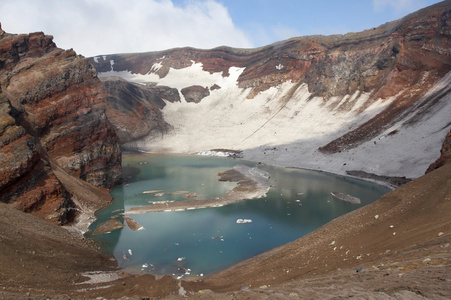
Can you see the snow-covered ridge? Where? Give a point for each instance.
(286, 128)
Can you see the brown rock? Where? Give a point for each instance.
(445, 155)
(52, 110)
(195, 93)
(134, 110)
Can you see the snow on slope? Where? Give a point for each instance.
(285, 126)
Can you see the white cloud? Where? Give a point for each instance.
(94, 27)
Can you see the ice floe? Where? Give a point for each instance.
(243, 221)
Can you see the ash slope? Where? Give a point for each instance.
(376, 101)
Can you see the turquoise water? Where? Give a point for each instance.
(204, 241)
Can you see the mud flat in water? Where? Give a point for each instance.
(252, 183)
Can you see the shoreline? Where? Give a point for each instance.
(252, 183)
(382, 180)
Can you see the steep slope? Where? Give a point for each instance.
(376, 101)
(52, 115)
(445, 154)
(135, 110)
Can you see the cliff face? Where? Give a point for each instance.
(445, 155)
(368, 100)
(52, 113)
(135, 110)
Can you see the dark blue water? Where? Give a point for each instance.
(204, 241)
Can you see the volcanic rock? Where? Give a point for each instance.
(195, 93)
(445, 154)
(135, 110)
(52, 113)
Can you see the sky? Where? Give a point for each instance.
(94, 27)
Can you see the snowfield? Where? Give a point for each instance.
(284, 126)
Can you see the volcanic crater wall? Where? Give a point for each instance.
(52, 115)
(375, 101)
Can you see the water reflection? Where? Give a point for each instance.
(208, 240)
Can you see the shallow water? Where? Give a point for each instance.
(209, 239)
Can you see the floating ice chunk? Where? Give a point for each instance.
(130, 251)
(242, 221)
(345, 197)
(181, 258)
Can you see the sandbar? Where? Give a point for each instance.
(252, 183)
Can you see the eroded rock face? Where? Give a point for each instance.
(52, 110)
(26, 181)
(134, 110)
(445, 155)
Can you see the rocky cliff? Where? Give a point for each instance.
(376, 101)
(445, 154)
(52, 116)
(135, 110)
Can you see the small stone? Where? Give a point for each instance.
(440, 233)
(376, 217)
(427, 260)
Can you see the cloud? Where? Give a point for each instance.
(95, 27)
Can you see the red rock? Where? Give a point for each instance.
(52, 111)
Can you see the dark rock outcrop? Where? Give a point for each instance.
(135, 110)
(52, 112)
(195, 93)
(445, 155)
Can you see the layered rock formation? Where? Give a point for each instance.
(52, 116)
(375, 101)
(135, 110)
